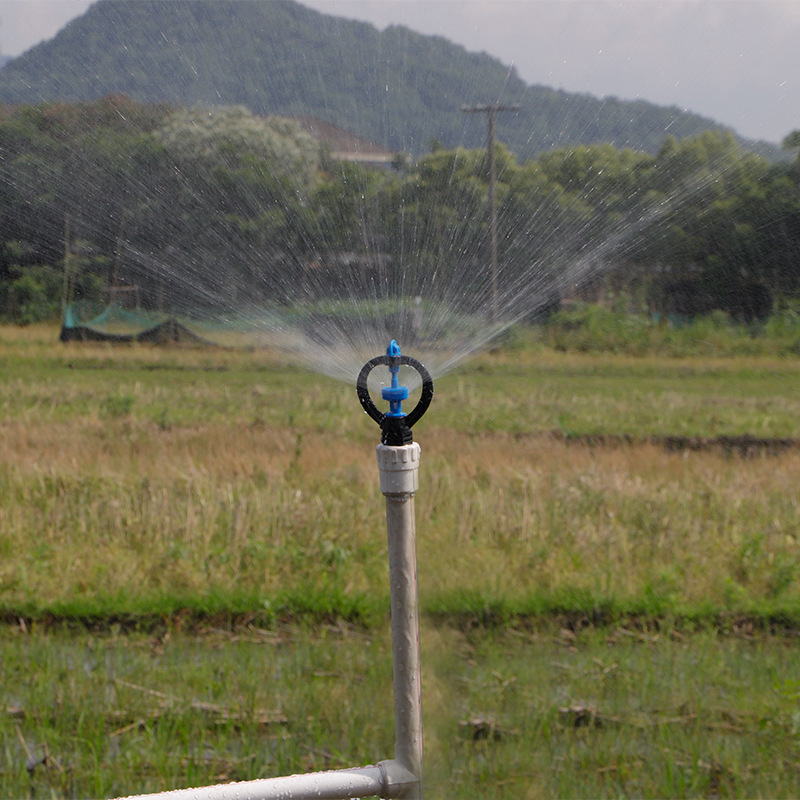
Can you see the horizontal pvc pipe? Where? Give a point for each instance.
(387, 779)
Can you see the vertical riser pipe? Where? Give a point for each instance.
(399, 480)
(405, 634)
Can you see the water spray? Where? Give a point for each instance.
(398, 464)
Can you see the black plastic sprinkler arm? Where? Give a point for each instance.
(395, 426)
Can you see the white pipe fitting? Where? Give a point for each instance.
(399, 468)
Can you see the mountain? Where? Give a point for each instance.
(398, 88)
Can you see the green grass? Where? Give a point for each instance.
(597, 329)
(622, 395)
(129, 713)
(622, 713)
(610, 712)
(525, 390)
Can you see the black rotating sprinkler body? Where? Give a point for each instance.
(395, 424)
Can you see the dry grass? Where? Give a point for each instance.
(127, 510)
(626, 522)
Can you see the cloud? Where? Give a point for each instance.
(24, 23)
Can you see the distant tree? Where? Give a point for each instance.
(792, 142)
(226, 136)
(235, 193)
(219, 206)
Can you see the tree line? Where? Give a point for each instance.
(215, 208)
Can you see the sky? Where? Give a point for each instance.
(734, 61)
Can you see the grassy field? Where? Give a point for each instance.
(612, 712)
(194, 586)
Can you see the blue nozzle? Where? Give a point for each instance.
(395, 393)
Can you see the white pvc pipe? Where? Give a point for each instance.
(387, 779)
(399, 468)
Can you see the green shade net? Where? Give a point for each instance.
(116, 324)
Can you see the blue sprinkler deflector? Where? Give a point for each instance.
(395, 393)
(395, 424)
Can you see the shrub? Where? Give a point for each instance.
(33, 296)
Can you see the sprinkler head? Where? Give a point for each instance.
(395, 424)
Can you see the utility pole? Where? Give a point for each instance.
(491, 110)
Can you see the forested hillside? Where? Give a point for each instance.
(221, 209)
(398, 88)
